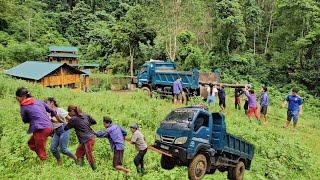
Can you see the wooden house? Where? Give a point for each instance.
(51, 74)
(63, 54)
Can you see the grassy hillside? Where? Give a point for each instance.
(280, 153)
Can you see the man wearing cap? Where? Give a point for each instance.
(138, 140)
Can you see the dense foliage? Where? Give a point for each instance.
(279, 153)
(270, 41)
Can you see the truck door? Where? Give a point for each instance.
(201, 132)
(143, 76)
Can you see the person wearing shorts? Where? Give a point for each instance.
(116, 136)
(264, 103)
(294, 108)
(117, 158)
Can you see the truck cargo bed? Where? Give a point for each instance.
(238, 146)
(167, 78)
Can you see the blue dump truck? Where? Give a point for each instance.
(159, 76)
(194, 137)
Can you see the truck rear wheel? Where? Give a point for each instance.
(197, 168)
(167, 162)
(146, 90)
(237, 173)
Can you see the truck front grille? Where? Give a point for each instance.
(167, 139)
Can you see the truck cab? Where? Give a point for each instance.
(193, 135)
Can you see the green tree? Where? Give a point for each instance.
(81, 20)
(252, 18)
(188, 56)
(129, 32)
(228, 25)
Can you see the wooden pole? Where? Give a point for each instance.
(226, 85)
(150, 147)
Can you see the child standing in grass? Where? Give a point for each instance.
(116, 136)
(34, 112)
(81, 124)
(138, 140)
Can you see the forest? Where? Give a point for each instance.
(270, 42)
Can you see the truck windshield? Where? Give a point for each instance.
(178, 119)
(143, 69)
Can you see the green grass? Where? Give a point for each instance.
(279, 154)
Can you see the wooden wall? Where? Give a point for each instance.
(62, 77)
(64, 60)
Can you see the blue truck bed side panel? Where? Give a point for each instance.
(223, 141)
(189, 80)
(236, 145)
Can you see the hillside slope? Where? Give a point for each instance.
(280, 153)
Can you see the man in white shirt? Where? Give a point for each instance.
(212, 91)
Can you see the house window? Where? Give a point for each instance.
(72, 85)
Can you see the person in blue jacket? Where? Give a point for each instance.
(116, 136)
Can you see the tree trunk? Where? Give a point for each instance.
(29, 33)
(176, 15)
(268, 33)
(254, 41)
(170, 49)
(301, 52)
(131, 60)
(227, 44)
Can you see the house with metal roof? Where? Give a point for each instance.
(63, 54)
(51, 74)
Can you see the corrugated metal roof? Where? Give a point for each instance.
(91, 65)
(86, 71)
(63, 55)
(35, 70)
(63, 48)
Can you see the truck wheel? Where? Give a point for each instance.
(167, 162)
(238, 171)
(197, 168)
(146, 90)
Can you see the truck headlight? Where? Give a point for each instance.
(158, 138)
(181, 140)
